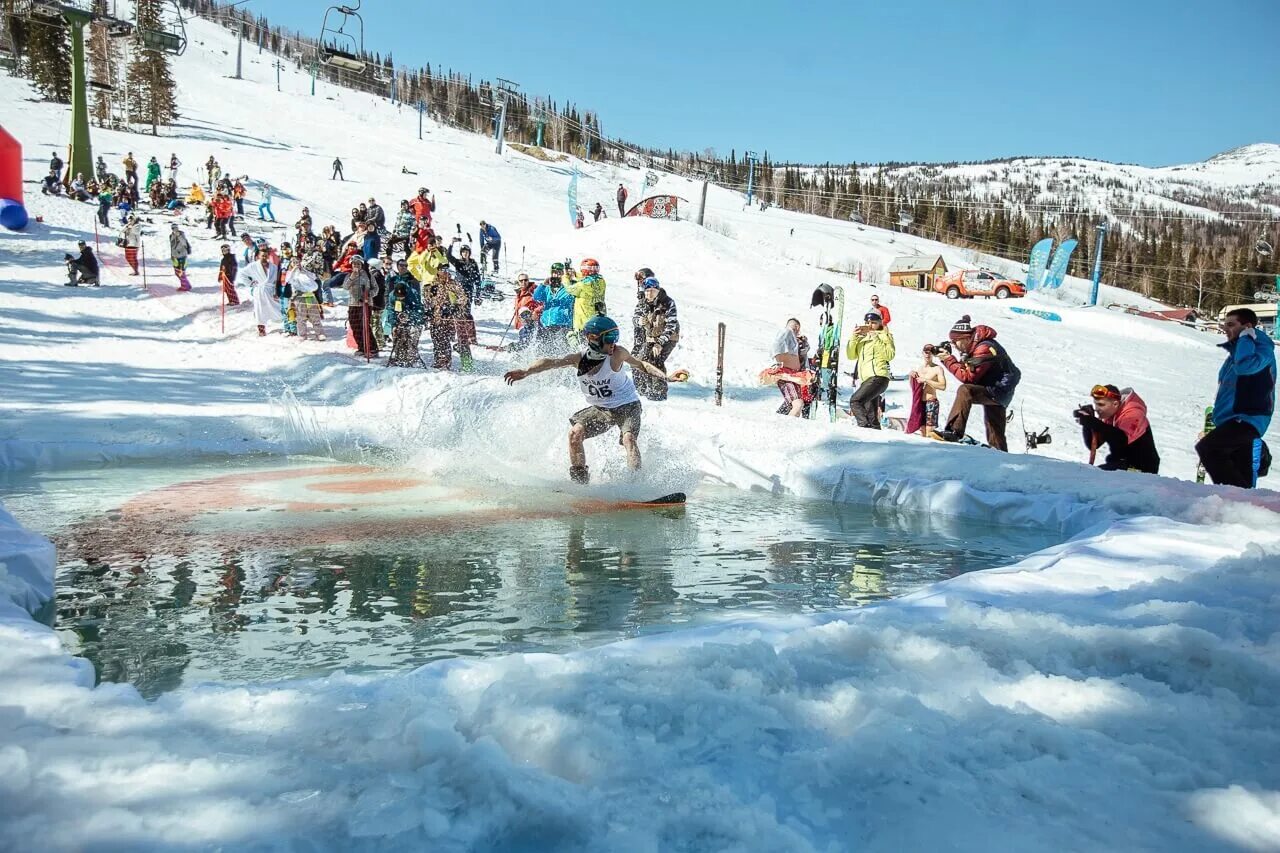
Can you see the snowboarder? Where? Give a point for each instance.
(657, 332)
(989, 379)
(179, 251)
(1233, 452)
(622, 200)
(227, 271)
(610, 393)
(872, 347)
(337, 171)
(490, 241)
(1118, 419)
(265, 206)
(82, 269)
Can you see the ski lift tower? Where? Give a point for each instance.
(506, 88)
(750, 157)
(76, 16)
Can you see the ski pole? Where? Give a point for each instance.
(365, 333)
(503, 339)
(142, 248)
(222, 279)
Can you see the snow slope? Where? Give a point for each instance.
(1118, 691)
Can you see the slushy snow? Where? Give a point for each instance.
(1117, 691)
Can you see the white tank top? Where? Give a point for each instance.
(608, 388)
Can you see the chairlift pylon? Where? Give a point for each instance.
(168, 34)
(340, 48)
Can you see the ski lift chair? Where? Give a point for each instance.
(905, 218)
(339, 48)
(1262, 247)
(170, 36)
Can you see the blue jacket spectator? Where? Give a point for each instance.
(557, 303)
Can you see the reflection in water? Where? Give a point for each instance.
(289, 604)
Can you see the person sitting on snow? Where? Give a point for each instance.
(1118, 419)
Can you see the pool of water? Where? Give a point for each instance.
(254, 570)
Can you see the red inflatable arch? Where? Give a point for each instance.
(12, 213)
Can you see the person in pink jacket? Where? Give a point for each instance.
(1118, 419)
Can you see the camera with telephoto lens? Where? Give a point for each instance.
(944, 346)
(1034, 440)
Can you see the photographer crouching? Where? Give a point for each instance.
(989, 379)
(1118, 419)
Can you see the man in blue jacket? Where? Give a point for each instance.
(490, 241)
(1233, 452)
(557, 312)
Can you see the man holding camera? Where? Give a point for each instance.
(1118, 419)
(82, 268)
(871, 346)
(1233, 452)
(989, 379)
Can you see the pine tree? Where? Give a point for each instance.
(151, 91)
(48, 52)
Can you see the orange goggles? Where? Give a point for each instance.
(1102, 392)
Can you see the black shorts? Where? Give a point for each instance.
(596, 419)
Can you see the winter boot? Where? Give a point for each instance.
(579, 474)
(468, 363)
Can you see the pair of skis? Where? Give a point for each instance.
(827, 359)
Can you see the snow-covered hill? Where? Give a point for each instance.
(1117, 691)
(1242, 182)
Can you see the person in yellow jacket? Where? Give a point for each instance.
(196, 195)
(587, 293)
(424, 265)
(872, 347)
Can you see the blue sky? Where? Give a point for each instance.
(1124, 80)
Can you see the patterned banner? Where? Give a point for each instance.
(1058, 266)
(1039, 259)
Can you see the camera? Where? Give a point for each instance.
(1034, 440)
(944, 346)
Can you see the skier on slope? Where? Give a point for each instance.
(610, 393)
(179, 251)
(337, 170)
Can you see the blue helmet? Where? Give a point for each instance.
(600, 330)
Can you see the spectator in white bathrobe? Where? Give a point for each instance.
(263, 276)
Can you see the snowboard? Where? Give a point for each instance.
(673, 499)
(1208, 428)
(829, 357)
(720, 364)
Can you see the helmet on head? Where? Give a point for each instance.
(600, 330)
(557, 269)
(590, 266)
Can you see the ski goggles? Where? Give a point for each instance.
(597, 340)
(1102, 392)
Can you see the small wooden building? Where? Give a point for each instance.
(916, 271)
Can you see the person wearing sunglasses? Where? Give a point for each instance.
(1233, 452)
(1118, 420)
(612, 399)
(527, 312)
